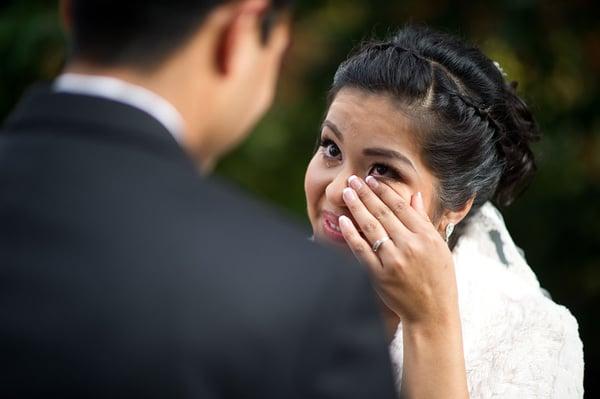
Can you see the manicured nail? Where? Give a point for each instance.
(372, 182)
(345, 222)
(354, 182)
(349, 194)
(420, 199)
(419, 196)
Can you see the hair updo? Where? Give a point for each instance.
(477, 131)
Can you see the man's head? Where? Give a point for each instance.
(217, 61)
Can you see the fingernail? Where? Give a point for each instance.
(420, 198)
(345, 222)
(349, 194)
(372, 182)
(354, 182)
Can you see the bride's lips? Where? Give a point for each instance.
(331, 227)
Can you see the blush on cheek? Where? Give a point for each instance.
(308, 191)
(314, 188)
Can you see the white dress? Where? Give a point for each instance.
(518, 343)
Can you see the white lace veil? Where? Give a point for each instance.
(487, 230)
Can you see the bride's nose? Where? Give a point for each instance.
(334, 189)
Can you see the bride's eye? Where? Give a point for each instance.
(330, 149)
(384, 171)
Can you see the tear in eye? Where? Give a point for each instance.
(330, 148)
(380, 170)
(333, 150)
(384, 171)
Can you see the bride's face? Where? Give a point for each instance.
(363, 134)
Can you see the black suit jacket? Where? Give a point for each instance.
(123, 273)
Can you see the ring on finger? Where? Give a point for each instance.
(379, 243)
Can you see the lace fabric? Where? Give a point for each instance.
(517, 342)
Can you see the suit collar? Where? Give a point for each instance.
(124, 92)
(42, 110)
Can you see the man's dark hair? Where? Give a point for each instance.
(143, 33)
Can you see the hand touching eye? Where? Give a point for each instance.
(410, 262)
(413, 271)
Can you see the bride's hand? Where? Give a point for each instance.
(414, 276)
(414, 269)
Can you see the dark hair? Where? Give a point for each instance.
(477, 130)
(142, 33)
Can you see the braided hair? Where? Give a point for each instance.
(476, 131)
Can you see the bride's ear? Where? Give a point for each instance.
(455, 217)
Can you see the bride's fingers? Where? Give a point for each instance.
(360, 248)
(366, 222)
(379, 210)
(417, 203)
(401, 208)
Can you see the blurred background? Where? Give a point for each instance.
(552, 48)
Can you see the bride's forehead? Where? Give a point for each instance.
(361, 115)
(360, 100)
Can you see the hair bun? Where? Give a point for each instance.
(519, 130)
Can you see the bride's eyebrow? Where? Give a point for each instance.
(331, 126)
(385, 153)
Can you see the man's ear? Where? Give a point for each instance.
(242, 24)
(455, 217)
(65, 8)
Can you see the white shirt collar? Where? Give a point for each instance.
(118, 90)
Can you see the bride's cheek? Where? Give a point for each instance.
(309, 176)
(312, 185)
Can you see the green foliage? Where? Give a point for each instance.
(31, 47)
(551, 48)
